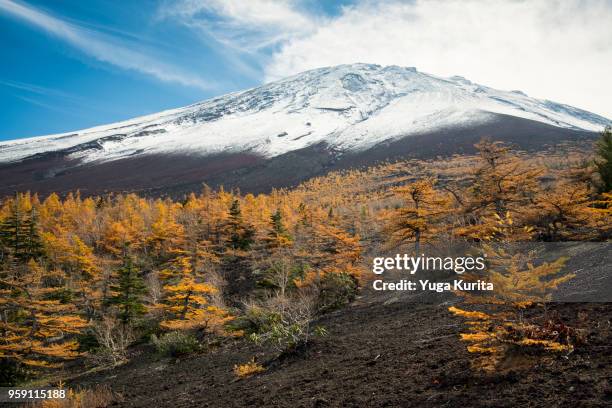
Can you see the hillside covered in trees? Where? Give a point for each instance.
(95, 289)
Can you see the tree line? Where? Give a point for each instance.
(91, 275)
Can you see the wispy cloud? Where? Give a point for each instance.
(242, 32)
(55, 99)
(39, 96)
(49, 106)
(248, 26)
(40, 90)
(103, 47)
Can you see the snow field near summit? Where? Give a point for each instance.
(349, 107)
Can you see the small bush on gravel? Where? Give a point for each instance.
(257, 316)
(176, 343)
(337, 290)
(284, 323)
(113, 339)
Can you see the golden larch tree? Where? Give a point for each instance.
(186, 302)
(37, 331)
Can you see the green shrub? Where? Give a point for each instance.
(87, 341)
(175, 343)
(283, 322)
(287, 337)
(337, 289)
(256, 318)
(146, 328)
(11, 373)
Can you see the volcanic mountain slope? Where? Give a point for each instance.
(286, 131)
(394, 353)
(388, 349)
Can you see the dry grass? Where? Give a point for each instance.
(248, 369)
(99, 397)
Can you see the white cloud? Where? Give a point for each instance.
(248, 26)
(559, 50)
(554, 49)
(102, 47)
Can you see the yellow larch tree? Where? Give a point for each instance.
(186, 302)
(420, 219)
(80, 270)
(166, 232)
(331, 260)
(37, 330)
(500, 182)
(600, 216)
(561, 213)
(495, 323)
(124, 224)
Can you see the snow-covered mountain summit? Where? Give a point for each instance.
(350, 107)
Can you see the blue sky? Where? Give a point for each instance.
(71, 64)
(49, 84)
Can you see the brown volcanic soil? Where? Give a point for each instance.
(380, 351)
